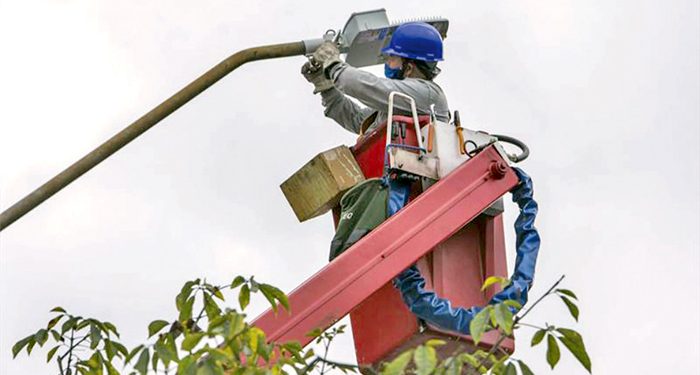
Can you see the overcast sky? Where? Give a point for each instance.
(606, 94)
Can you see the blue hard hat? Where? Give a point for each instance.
(417, 41)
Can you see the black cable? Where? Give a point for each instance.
(525, 151)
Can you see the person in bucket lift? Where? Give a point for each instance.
(411, 59)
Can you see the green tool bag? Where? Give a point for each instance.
(363, 208)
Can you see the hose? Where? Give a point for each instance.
(524, 150)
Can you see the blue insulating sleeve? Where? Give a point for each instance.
(438, 311)
(527, 243)
(398, 195)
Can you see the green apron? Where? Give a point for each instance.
(363, 208)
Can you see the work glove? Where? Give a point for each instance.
(326, 56)
(315, 75)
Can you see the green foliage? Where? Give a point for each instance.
(204, 338)
(97, 338)
(207, 337)
(492, 280)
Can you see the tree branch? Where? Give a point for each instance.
(548, 292)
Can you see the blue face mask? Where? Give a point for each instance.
(393, 73)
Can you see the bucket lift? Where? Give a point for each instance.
(453, 231)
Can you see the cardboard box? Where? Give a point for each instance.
(318, 186)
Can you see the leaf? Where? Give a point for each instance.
(131, 354)
(398, 365)
(211, 308)
(154, 362)
(121, 349)
(30, 345)
(425, 359)
(56, 336)
(513, 303)
(95, 336)
(491, 280)
(282, 298)
(504, 318)
(455, 367)
(191, 341)
(238, 281)
(435, 343)
(553, 353)
(269, 295)
(58, 309)
(574, 342)
(163, 352)
(254, 285)
(573, 309)
(537, 337)
(51, 353)
(524, 369)
(155, 327)
(142, 363)
(187, 366)
(110, 327)
(498, 367)
(511, 370)
(82, 324)
(186, 311)
(41, 336)
(478, 325)
(236, 325)
(244, 296)
(110, 369)
(69, 324)
(469, 359)
(109, 349)
(54, 321)
(21, 344)
(567, 292)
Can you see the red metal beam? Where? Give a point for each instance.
(397, 243)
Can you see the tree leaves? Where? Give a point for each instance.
(425, 359)
(244, 296)
(524, 369)
(156, 326)
(504, 318)
(566, 292)
(398, 365)
(21, 344)
(191, 341)
(243, 349)
(537, 337)
(274, 295)
(573, 309)
(573, 341)
(142, 363)
(491, 280)
(553, 353)
(478, 325)
(238, 281)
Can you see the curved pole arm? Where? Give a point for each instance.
(144, 123)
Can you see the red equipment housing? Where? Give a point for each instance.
(443, 229)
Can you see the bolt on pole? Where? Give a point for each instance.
(144, 123)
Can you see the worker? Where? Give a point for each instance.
(411, 59)
(410, 66)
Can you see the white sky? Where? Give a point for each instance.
(607, 95)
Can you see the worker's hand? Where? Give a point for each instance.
(315, 75)
(326, 56)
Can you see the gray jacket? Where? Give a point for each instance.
(373, 92)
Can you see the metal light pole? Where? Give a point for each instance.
(147, 121)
